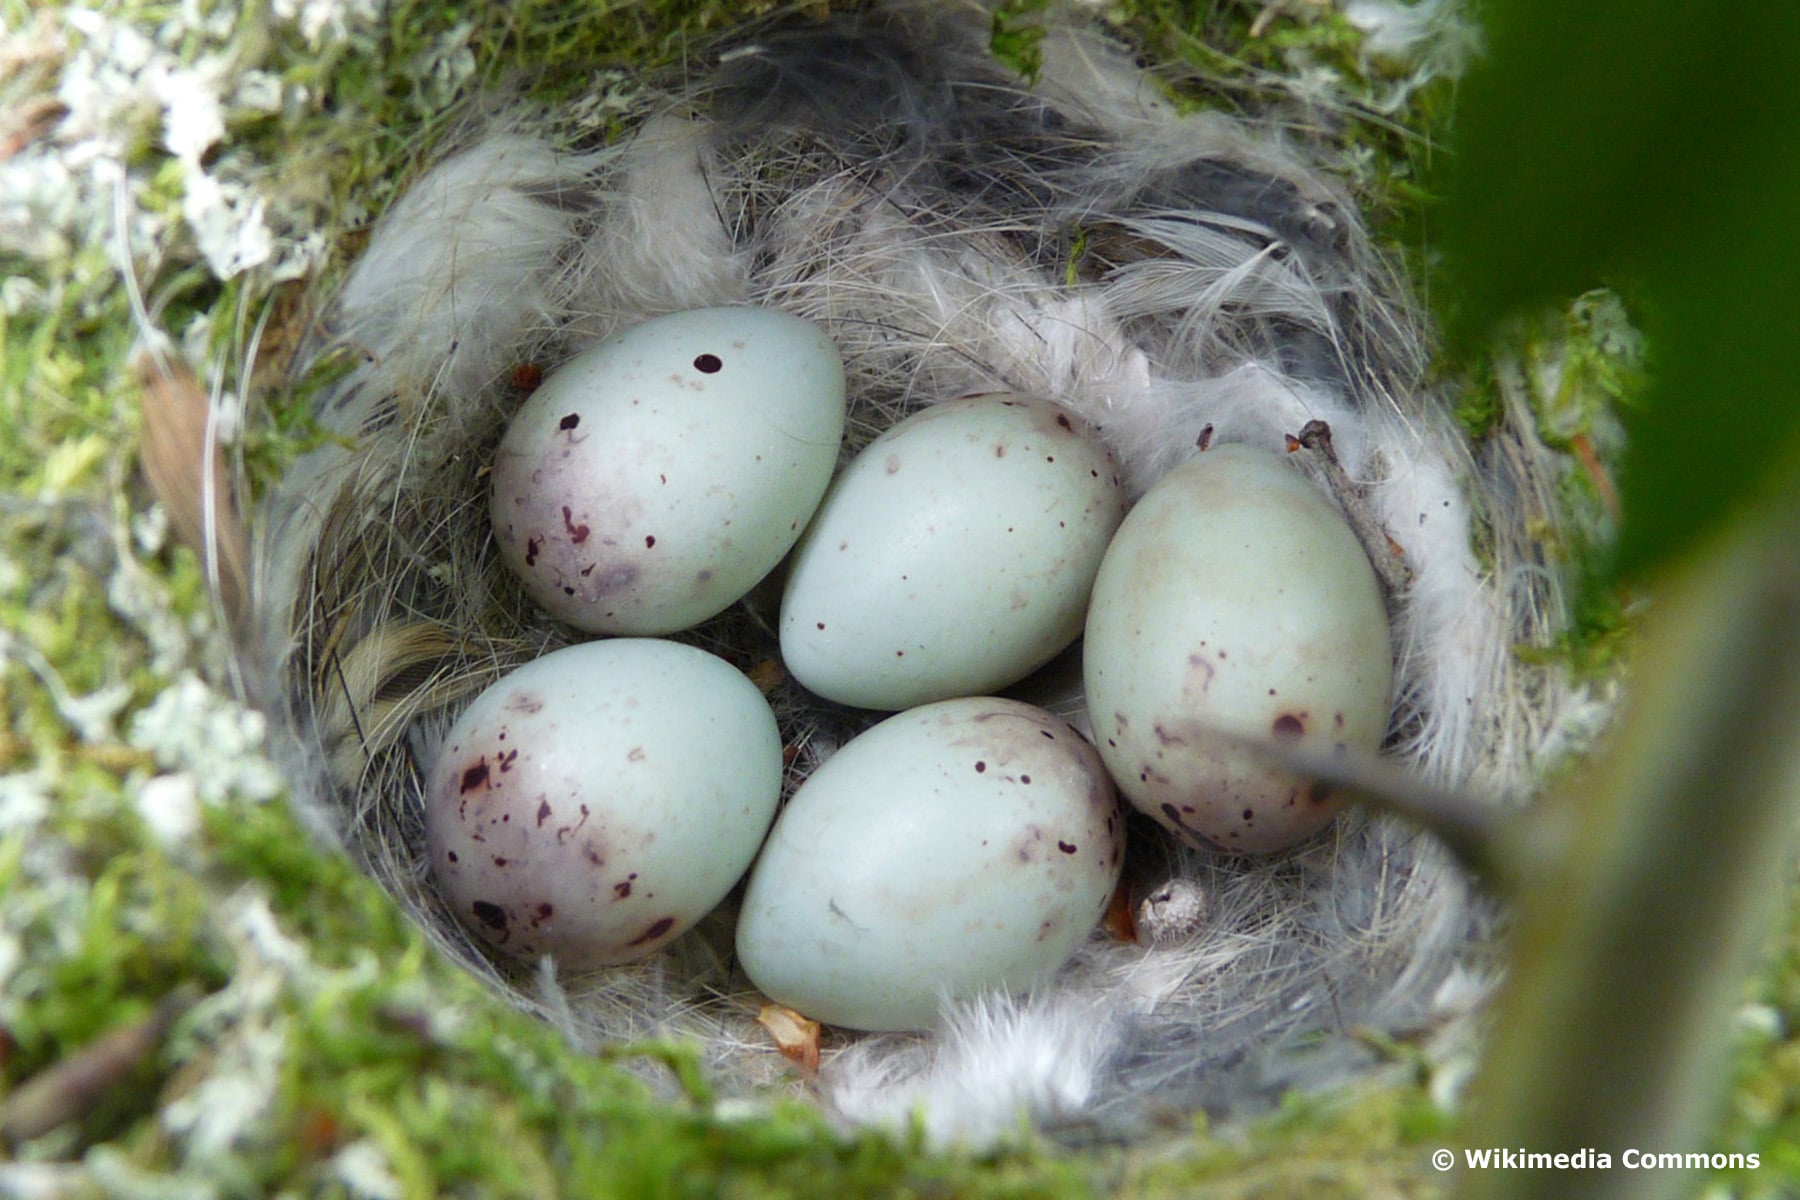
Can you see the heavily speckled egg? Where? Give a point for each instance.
(598, 801)
(1235, 606)
(953, 556)
(652, 480)
(963, 846)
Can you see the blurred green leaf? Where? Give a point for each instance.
(1657, 140)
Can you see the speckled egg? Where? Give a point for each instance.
(652, 480)
(598, 801)
(1235, 607)
(953, 556)
(959, 847)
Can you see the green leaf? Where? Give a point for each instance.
(1658, 140)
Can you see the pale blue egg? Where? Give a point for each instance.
(957, 848)
(652, 480)
(953, 556)
(598, 801)
(1235, 609)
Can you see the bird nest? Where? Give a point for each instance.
(1176, 279)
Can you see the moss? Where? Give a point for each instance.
(1016, 35)
(1762, 1113)
(1358, 1143)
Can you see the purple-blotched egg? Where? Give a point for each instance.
(652, 480)
(1235, 609)
(596, 802)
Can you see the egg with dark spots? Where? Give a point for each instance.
(1236, 615)
(600, 821)
(940, 566)
(652, 480)
(917, 862)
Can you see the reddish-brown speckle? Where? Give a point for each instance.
(569, 422)
(564, 831)
(577, 533)
(1066, 847)
(474, 777)
(543, 813)
(649, 540)
(532, 545)
(656, 930)
(708, 364)
(1289, 725)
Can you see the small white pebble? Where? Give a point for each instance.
(1171, 913)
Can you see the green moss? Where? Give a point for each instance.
(1361, 1143)
(1016, 35)
(1762, 1113)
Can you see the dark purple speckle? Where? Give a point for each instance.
(491, 915)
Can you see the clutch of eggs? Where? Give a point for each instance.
(598, 802)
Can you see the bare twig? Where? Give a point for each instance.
(1385, 554)
(71, 1087)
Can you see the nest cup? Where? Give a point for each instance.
(1175, 279)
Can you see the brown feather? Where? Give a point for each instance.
(172, 447)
